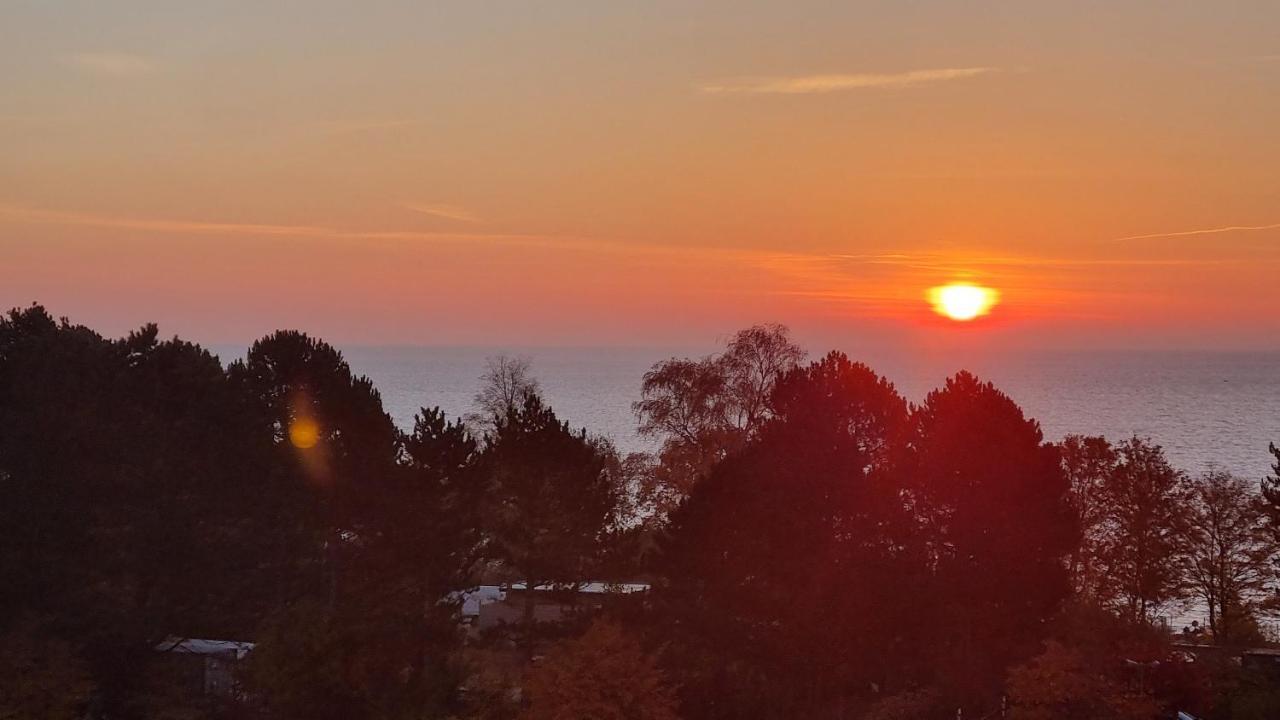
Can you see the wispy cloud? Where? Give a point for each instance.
(111, 64)
(814, 84)
(34, 215)
(1206, 231)
(19, 213)
(448, 212)
(934, 261)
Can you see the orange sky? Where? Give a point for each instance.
(648, 173)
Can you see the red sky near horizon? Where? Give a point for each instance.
(646, 174)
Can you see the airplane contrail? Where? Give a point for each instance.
(1208, 231)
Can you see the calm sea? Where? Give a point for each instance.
(1206, 409)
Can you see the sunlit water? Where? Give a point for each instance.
(1206, 409)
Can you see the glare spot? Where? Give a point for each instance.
(304, 433)
(962, 301)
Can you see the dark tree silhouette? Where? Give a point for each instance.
(422, 546)
(1089, 463)
(833, 552)
(787, 578)
(132, 497)
(1147, 501)
(1271, 493)
(505, 382)
(332, 440)
(1229, 555)
(704, 409)
(549, 500)
(382, 551)
(992, 501)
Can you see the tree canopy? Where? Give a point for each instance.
(823, 547)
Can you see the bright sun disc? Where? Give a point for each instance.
(962, 301)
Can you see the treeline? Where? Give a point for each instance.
(816, 545)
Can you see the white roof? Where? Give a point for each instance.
(482, 595)
(473, 599)
(198, 646)
(592, 588)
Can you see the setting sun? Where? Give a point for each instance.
(962, 301)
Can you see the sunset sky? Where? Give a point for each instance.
(645, 173)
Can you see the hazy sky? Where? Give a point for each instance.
(645, 173)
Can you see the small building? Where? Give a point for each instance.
(490, 606)
(206, 666)
(1264, 660)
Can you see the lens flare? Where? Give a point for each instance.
(304, 433)
(963, 301)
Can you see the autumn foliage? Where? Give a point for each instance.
(604, 674)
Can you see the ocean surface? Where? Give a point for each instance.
(1206, 409)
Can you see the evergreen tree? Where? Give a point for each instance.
(549, 504)
(992, 502)
(789, 577)
(132, 495)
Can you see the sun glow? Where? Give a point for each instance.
(963, 301)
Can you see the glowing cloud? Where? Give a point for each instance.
(813, 84)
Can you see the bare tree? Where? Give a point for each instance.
(1145, 530)
(504, 385)
(684, 400)
(1229, 553)
(1088, 463)
(754, 360)
(704, 409)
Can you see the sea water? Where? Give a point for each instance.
(1208, 410)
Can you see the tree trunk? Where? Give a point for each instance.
(528, 622)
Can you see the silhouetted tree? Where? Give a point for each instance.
(1089, 463)
(1229, 555)
(755, 360)
(704, 409)
(789, 579)
(135, 493)
(420, 549)
(1145, 534)
(332, 442)
(549, 500)
(992, 500)
(505, 382)
(1271, 493)
(631, 538)
(336, 451)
